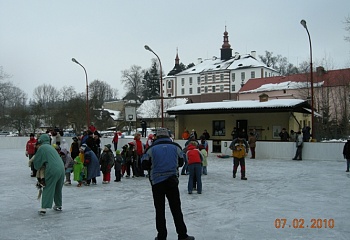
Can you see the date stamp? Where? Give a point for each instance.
(301, 223)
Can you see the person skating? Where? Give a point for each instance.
(163, 159)
(239, 147)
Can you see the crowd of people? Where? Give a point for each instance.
(53, 162)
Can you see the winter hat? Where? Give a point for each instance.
(108, 146)
(117, 152)
(83, 146)
(162, 132)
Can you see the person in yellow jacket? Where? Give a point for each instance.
(240, 148)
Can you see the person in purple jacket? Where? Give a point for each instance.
(162, 159)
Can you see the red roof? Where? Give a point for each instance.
(330, 78)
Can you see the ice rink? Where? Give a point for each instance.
(282, 199)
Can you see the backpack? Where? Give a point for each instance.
(239, 150)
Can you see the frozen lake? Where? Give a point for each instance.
(314, 193)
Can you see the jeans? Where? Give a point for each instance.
(169, 189)
(195, 171)
(184, 169)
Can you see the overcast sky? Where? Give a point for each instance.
(39, 38)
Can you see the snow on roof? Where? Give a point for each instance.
(151, 108)
(115, 115)
(282, 86)
(215, 64)
(274, 103)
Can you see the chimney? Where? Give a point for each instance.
(263, 97)
(320, 71)
(253, 54)
(236, 55)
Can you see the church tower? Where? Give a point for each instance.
(226, 50)
(176, 68)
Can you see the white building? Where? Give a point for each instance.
(215, 79)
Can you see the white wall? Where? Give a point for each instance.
(286, 150)
(264, 150)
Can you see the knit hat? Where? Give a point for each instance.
(108, 146)
(83, 146)
(162, 132)
(117, 152)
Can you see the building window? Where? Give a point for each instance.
(252, 74)
(205, 89)
(233, 75)
(265, 74)
(221, 77)
(190, 90)
(219, 128)
(182, 91)
(169, 84)
(190, 80)
(242, 76)
(213, 77)
(198, 89)
(205, 78)
(213, 89)
(233, 88)
(221, 88)
(198, 80)
(182, 81)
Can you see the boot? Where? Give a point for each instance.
(243, 176)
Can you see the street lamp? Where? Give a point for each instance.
(161, 84)
(303, 22)
(87, 94)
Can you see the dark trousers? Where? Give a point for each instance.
(169, 189)
(347, 164)
(117, 171)
(131, 165)
(252, 150)
(236, 163)
(195, 177)
(298, 153)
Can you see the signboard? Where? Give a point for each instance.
(130, 114)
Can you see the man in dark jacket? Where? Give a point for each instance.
(346, 153)
(163, 159)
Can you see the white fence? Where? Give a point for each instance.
(264, 150)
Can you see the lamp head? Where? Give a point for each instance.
(148, 48)
(303, 22)
(75, 61)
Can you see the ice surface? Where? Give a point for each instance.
(227, 209)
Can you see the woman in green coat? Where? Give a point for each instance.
(54, 174)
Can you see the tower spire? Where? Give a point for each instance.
(226, 51)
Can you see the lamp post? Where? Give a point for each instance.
(87, 93)
(303, 22)
(161, 84)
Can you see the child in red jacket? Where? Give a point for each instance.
(195, 159)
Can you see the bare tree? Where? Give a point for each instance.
(99, 92)
(132, 78)
(347, 28)
(67, 93)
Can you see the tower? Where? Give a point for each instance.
(226, 50)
